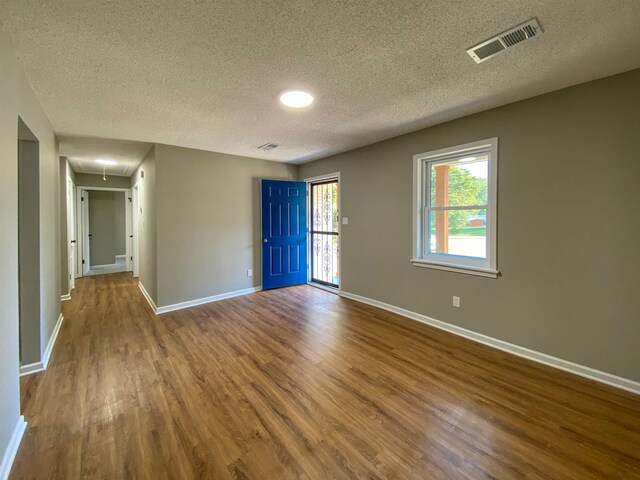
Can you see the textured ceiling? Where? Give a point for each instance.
(82, 153)
(208, 74)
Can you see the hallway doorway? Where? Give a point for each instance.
(28, 246)
(105, 230)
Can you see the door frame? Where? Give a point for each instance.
(72, 243)
(319, 179)
(81, 229)
(135, 229)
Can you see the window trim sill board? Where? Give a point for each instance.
(416, 262)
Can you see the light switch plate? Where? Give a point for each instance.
(345, 220)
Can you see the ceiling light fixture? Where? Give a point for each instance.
(104, 161)
(296, 99)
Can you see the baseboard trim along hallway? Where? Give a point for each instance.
(194, 303)
(539, 357)
(10, 453)
(202, 301)
(146, 295)
(42, 365)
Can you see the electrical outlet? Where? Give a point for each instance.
(456, 301)
(249, 273)
(345, 220)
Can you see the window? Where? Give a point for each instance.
(455, 208)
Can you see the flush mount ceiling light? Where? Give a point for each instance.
(296, 99)
(104, 161)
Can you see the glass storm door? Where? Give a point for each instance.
(325, 242)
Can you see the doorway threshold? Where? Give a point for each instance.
(327, 288)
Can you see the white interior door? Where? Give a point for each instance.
(71, 235)
(86, 233)
(135, 215)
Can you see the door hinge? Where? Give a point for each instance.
(82, 199)
(131, 258)
(83, 261)
(129, 199)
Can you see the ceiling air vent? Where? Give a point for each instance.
(499, 43)
(268, 146)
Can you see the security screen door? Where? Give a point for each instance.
(325, 241)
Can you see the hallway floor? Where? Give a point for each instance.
(119, 266)
(300, 383)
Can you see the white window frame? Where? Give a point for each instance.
(455, 263)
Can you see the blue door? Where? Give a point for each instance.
(284, 233)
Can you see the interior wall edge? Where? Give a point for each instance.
(12, 448)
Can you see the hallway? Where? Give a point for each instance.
(300, 383)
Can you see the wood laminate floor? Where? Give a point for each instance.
(300, 383)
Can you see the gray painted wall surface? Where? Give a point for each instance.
(92, 180)
(17, 99)
(29, 249)
(147, 223)
(107, 226)
(209, 221)
(568, 225)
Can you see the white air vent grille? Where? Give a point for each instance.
(499, 43)
(268, 146)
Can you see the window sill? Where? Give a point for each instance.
(481, 272)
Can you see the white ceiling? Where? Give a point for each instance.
(208, 74)
(82, 153)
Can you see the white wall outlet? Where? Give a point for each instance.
(249, 273)
(456, 301)
(345, 220)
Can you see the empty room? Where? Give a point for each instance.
(291, 239)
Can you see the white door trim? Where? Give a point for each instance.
(72, 244)
(135, 229)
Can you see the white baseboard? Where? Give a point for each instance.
(152, 304)
(581, 370)
(10, 453)
(31, 368)
(52, 341)
(42, 365)
(66, 297)
(202, 301)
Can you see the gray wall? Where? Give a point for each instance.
(209, 221)
(17, 99)
(29, 245)
(92, 180)
(568, 225)
(107, 226)
(147, 241)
